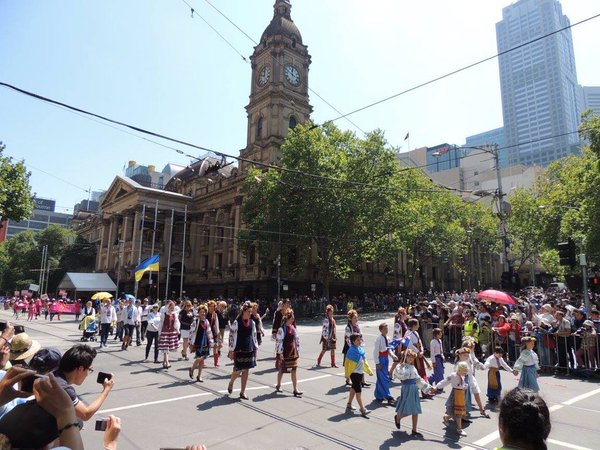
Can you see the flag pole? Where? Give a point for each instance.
(183, 253)
(169, 255)
(153, 240)
(140, 250)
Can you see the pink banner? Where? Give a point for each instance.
(65, 308)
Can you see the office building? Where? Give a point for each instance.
(540, 94)
(43, 216)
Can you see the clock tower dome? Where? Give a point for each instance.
(279, 87)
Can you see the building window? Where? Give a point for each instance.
(220, 233)
(259, 128)
(251, 255)
(206, 233)
(293, 122)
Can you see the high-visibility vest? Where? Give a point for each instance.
(470, 330)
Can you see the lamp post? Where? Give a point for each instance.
(582, 257)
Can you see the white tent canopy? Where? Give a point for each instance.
(86, 282)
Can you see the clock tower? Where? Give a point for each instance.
(279, 87)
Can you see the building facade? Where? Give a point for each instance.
(540, 99)
(590, 98)
(43, 216)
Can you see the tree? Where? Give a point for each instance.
(16, 199)
(336, 224)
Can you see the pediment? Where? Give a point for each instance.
(118, 190)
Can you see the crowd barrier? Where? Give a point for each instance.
(562, 353)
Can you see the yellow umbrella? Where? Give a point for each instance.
(101, 295)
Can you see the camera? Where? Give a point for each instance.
(101, 424)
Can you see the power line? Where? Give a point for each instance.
(206, 149)
(462, 69)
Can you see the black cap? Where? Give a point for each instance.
(28, 425)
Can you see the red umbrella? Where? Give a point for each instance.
(497, 297)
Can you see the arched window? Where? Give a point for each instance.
(293, 122)
(259, 128)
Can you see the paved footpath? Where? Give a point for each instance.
(164, 408)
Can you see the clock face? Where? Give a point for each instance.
(264, 75)
(292, 75)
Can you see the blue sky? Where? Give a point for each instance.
(148, 63)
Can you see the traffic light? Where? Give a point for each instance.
(566, 253)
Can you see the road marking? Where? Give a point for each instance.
(567, 445)
(495, 435)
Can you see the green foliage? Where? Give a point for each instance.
(338, 226)
(590, 130)
(16, 200)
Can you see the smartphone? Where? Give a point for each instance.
(2, 326)
(101, 424)
(103, 376)
(19, 329)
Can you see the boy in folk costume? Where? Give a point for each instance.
(382, 354)
(493, 364)
(416, 346)
(456, 405)
(409, 403)
(436, 350)
(528, 364)
(328, 336)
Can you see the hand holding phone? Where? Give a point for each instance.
(103, 376)
(101, 424)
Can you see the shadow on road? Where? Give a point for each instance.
(217, 401)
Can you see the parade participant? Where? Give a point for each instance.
(382, 355)
(186, 317)
(152, 332)
(260, 331)
(129, 316)
(221, 307)
(144, 318)
(138, 323)
(493, 364)
(30, 311)
(201, 341)
(328, 336)
(524, 421)
(416, 346)
(75, 366)
(409, 403)
(355, 366)
(400, 329)
(456, 405)
(282, 307)
(168, 340)
(351, 328)
(119, 306)
(528, 364)
(242, 348)
(108, 319)
(213, 320)
(88, 309)
(466, 354)
(288, 349)
(436, 351)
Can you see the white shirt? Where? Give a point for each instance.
(153, 321)
(409, 372)
(380, 347)
(455, 380)
(108, 314)
(496, 363)
(435, 347)
(415, 341)
(130, 315)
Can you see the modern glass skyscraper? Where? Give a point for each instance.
(538, 83)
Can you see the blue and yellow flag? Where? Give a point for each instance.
(150, 264)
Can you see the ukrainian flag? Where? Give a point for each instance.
(150, 264)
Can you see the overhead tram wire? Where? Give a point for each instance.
(206, 149)
(302, 81)
(462, 69)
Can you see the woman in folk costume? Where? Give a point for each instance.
(213, 320)
(400, 329)
(381, 355)
(352, 328)
(288, 348)
(456, 405)
(417, 346)
(493, 364)
(355, 366)
(328, 336)
(201, 341)
(168, 338)
(242, 348)
(409, 403)
(528, 364)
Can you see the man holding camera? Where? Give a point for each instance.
(75, 366)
